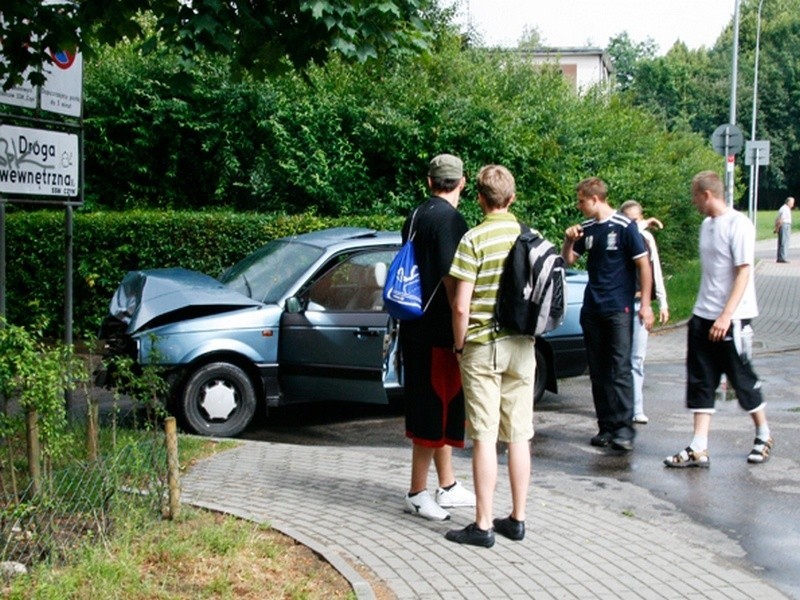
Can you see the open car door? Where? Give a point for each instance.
(334, 347)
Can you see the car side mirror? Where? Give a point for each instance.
(293, 305)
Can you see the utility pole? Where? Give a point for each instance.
(753, 187)
(729, 160)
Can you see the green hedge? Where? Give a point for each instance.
(108, 245)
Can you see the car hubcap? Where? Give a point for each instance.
(218, 400)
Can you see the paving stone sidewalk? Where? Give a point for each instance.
(345, 503)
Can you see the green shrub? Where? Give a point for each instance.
(355, 139)
(107, 245)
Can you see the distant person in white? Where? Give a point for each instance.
(783, 227)
(633, 210)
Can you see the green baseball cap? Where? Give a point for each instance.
(446, 166)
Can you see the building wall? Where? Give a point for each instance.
(585, 68)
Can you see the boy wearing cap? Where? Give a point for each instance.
(434, 401)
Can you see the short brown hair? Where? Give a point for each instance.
(593, 186)
(708, 181)
(496, 184)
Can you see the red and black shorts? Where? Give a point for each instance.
(434, 400)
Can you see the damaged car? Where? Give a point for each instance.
(301, 319)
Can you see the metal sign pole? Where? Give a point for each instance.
(756, 164)
(2, 259)
(68, 399)
(729, 165)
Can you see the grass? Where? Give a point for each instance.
(196, 556)
(682, 286)
(765, 224)
(200, 555)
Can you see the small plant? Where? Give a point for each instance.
(146, 385)
(35, 375)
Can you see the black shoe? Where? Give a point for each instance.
(602, 439)
(472, 535)
(510, 528)
(622, 444)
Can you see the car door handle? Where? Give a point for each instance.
(364, 332)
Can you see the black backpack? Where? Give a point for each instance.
(533, 286)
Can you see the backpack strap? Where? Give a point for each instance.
(411, 233)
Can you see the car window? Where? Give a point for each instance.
(354, 284)
(267, 273)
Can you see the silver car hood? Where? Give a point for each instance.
(144, 296)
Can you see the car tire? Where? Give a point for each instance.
(218, 400)
(540, 376)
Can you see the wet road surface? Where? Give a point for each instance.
(757, 506)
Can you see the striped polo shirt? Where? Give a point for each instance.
(479, 259)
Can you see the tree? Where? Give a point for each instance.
(531, 38)
(690, 89)
(626, 55)
(260, 36)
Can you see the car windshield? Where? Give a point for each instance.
(268, 272)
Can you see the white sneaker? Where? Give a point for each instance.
(455, 497)
(641, 419)
(423, 505)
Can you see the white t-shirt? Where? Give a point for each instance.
(785, 214)
(726, 242)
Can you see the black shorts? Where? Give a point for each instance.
(706, 361)
(434, 400)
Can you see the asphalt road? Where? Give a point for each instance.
(757, 506)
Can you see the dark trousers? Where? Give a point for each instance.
(706, 361)
(608, 349)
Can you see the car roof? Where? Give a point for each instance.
(327, 238)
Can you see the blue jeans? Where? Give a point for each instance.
(608, 350)
(638, 354)
(784, 234)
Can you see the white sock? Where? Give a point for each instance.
(699, 443)
(762, 432)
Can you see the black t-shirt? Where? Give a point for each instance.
(439, 228)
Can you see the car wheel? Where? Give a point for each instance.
(218, 400)
(540, 376)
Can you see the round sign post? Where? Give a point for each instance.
(728, 140)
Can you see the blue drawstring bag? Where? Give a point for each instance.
(402, 292)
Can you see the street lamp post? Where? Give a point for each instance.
(753, 191)
(729, 163)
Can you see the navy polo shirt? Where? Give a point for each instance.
(612, 245)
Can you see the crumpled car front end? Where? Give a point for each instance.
(148, 300)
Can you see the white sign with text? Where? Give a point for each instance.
(62, 90)
(36, 161)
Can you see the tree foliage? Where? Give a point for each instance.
(626, 54)
(256, 35)
(355, 139)
(690, 89)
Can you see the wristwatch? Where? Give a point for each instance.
(457, 350)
